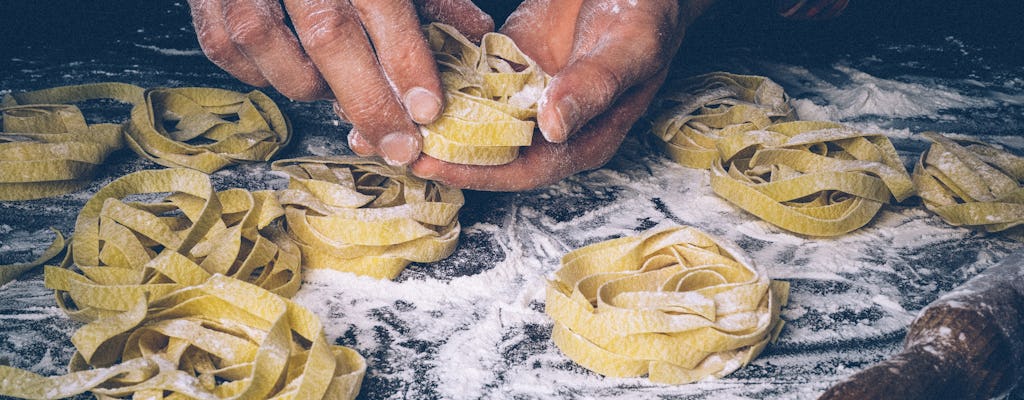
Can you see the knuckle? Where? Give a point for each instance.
(373, 110)
(303, 89)
(248, 32)
(324, 28)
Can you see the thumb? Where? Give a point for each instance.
(601, 69)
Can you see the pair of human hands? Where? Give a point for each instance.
(607, 57)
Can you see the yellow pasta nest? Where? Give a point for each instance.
(212, 128)
(48, 149)
(710, 106)
(491, 93)
(969, 183)
(813, 178)
(671, 303)
(356, 215)
(169, 290)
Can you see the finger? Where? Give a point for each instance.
(544, 163)
(540, 29)
(257, 28)
(333, 36)
(404, 54)
(616, 52)
(213, 37)
(462, 14)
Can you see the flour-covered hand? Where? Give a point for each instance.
(368, 55)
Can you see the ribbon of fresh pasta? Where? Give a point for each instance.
(203, 137)
(813, 178)
(48, 149)
(969, 183)
(671, 303)
(182, 294)
(710, 106)
(491, 93)
(356, 215)
(9, 272)
(214, 337)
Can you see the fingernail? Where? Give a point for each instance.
(399, 148)
(423, 106)
(358, 144)
(553, 124)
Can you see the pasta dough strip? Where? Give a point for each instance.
(672, 303)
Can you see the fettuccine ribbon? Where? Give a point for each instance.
(671, 303)
(969, 183)
(491, 93)
(47, 148)
(357, 215)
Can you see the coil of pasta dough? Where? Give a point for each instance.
(48, 149)
(813, 178)
(671, 303)
(491, 95)
(707, 107)
(970, 183)
(203, 137)
(361, 216)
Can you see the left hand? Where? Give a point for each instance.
(608, 59)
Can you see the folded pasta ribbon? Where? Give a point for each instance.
(9, 272)
(214, 337)
(708, 107)
(491, 95)
(182, 295)
(356, 215)
(970, 183)
(48, 149)
(813, 178)
(671, 303)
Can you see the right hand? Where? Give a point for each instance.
(370, 56)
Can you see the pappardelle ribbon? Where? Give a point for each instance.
(671, 303)
(710, 106)
(357, 215)
(813, 178)
(48, 149)
(491, 95)
(9, 272)
(970, 183)
(182, 292)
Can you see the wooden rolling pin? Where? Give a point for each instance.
(968, 344)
